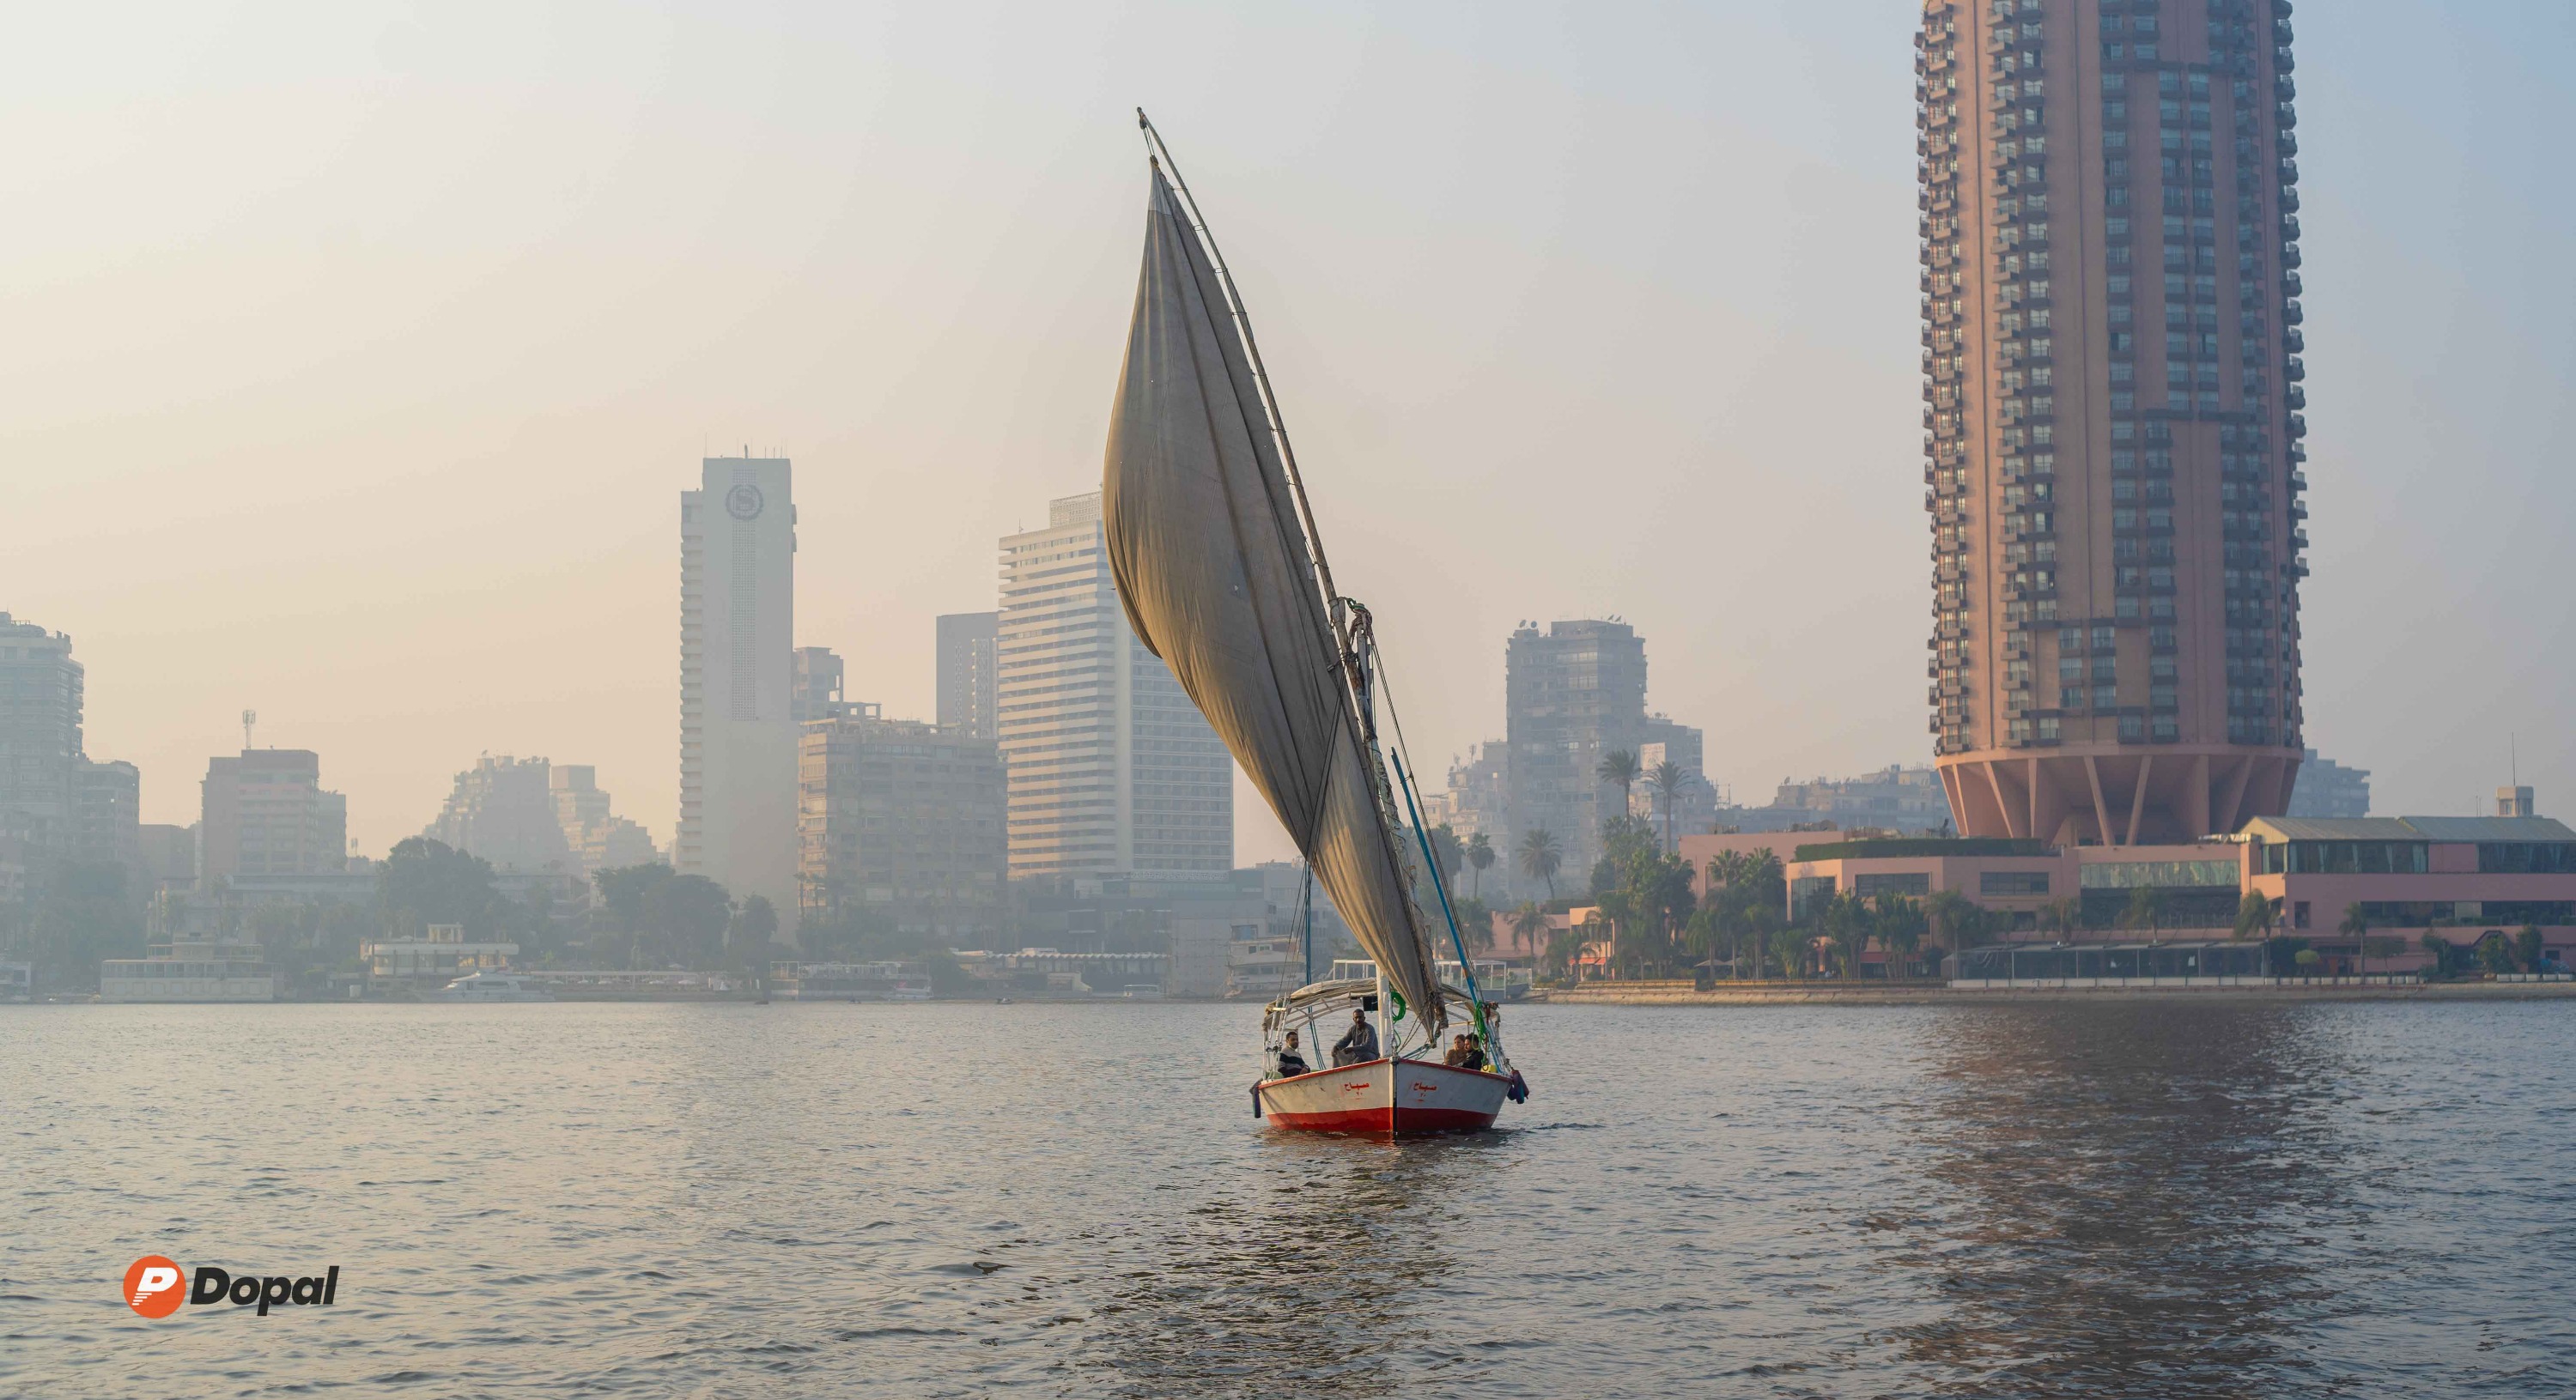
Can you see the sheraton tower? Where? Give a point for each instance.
(2113, 412)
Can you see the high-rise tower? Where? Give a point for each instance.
(1111, 768)
(2111, 347)
(966, 674)
(738, 681)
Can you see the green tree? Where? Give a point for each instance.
(755, 931)
(1619, 768)
(1451, 852)
(687, 916)
(1760, 926)
(2063, 916)
(83, 916)
(2146, 910)
(2495, 954)
(1788, 949)
(1945, 914)
(1529, 923)
(2356, 926)
(1480, 858)
(1901, 925)
(1668, 781)
(424, 882)
(2445, 957)
(2527, 948)
(2256, 915)
(1541, 857)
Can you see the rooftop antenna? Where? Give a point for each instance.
(249, 718)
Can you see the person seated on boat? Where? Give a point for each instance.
(1465, 1053)
(1291, 1064)
(1358, 1045)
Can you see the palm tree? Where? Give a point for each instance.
(1480, 858)
(1619, 766)
(1757, 924)
(2146, 910)
(1668, 780)
(2356, 926)
(1528, 922)
(1900, 929)
(2256, 914)
(1945, 912)
(1540, 857)
(2061, 916)
(1596, 929)
(1788, 946)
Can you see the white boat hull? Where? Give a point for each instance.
(1387, 1098)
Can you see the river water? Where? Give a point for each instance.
(2115, 1199)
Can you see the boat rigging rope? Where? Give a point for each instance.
(1402, 755)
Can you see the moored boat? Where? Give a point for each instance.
(1219, 564)
(491, 986)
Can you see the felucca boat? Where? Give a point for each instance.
(1213, 546)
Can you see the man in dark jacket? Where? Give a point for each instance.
(1291, 1063)
(1358, 1045)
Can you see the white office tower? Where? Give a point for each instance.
(1111, 770)
(737, 682)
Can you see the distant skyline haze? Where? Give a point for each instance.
(361, 351)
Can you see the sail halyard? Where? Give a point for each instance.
(1216, 563)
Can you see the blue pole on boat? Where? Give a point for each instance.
(1440, 887)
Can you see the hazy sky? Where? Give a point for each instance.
(357, 355)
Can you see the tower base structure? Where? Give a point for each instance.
(2117, 794)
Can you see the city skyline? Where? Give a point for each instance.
(436, 564)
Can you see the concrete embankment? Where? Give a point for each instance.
(1935, 994)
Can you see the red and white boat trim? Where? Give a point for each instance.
(1386, 1098)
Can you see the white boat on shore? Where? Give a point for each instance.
(491, 986)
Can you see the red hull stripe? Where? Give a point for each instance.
(1377, 1120)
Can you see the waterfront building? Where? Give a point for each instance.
(17, 981)
(441, 954)
(968, 678)
(2464, 880)
(738, 730)
(265, 813)
(209, 968)
(504, 810)
(2112, 357)
(2328, 789)
(597, 838)
(1111, 769)
(40, 740)
(901, 819)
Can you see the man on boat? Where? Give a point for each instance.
(1465, 1053)
(1358, 1045)
(1291, 1064)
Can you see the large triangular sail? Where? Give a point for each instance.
(1218, 575)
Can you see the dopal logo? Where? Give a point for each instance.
(153, 1288)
